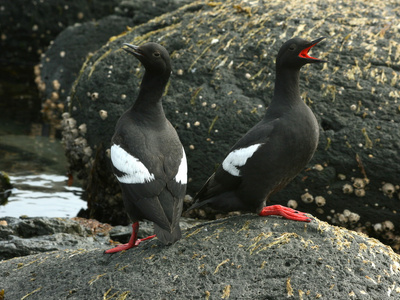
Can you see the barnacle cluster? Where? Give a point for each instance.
(76, 146)
(346, 218)
(51, 107)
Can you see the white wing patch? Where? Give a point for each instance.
(135, 171)
(238, 158)
(181, 176)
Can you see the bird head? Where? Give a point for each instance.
(154, 57)
(294, 53)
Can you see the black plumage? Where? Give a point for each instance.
(146, 154)
(274, 151)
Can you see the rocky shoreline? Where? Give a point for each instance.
(241, 257)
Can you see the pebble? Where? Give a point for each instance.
(318, 167)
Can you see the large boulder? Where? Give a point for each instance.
(223, 77)
(61, 63)
(245, 257)
(29, 27)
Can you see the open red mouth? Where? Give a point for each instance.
(304, 52)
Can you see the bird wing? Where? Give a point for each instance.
(153, 183)
(227, 177)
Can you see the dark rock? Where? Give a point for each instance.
(61, 63)
(27, 28)
(27, 236)
(5, 187)
(141, 12)
(225, 53)
(30, 26)
(245, 257)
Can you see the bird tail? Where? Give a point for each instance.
(198, 204)
(167, 237)
(204, 196)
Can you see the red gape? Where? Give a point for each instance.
(286, 212)
(133, 241)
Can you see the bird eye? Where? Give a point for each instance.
(156, 54)
(292, 47)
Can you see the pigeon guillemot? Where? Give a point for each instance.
(147, 156)
(274, 151)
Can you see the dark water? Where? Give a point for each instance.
(37, 168)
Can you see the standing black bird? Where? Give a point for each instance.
(147, 156)
(274, 151)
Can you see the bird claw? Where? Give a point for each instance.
(286, 212)
(119, 248)
(138, 241)
(127, 246)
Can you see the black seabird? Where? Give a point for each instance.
(274, 151)
(147, 156)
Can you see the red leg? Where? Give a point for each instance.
(133, 241)
(286, 212)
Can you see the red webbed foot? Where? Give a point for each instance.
(133, 241)
(286, 212)
(119, 248)
(138, 241)
(127, 246)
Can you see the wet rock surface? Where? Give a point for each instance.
(223, 76)
(244, 257)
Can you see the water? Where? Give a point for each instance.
(42, 195)
(37, 169)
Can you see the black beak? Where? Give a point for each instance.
(132, 49)
(314, 42)
(304, 53)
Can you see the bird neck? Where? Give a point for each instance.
(148, 101)
(287, 90)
